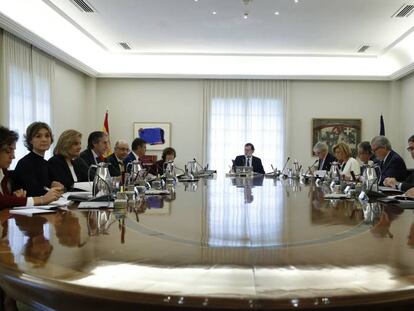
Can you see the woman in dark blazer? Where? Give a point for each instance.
(8, 198)
(32, 171)
(66, 166)
(168, 154)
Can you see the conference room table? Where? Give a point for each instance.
(219, 243)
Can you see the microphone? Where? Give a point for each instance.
(312, 165)
(287, 160)
(198, 164)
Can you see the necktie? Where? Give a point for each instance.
(249, 161)
(121, 166)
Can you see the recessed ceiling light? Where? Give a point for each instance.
(276, 13)
(195, 0)
(214, 12)
(246, 15)
(296, 1)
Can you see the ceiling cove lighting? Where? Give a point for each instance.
(21, 17)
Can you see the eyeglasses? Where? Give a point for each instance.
(375, 150)
(122, 149)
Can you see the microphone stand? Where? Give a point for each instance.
(288, 159)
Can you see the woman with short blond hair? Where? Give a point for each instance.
(66, 166)
(347, 163)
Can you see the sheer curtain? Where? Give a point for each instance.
(237, 112)
(27, 82)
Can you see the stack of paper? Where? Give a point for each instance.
(30, 211)
(85, 186)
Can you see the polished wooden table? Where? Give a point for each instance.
(228, 243)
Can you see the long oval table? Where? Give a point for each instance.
(228, 243)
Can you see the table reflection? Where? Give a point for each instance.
(257, 238)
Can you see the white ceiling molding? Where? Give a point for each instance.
(38, 23)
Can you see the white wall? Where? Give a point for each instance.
(181, 103)
(71, 110)
(337, 99)
(145, 100)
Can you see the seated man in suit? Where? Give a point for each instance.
(391, 164)
(249, 160)
(409, 181)
(324, 157)
(121, 150)
(139, 147)
(98, 144)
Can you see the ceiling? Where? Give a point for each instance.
(311, 39)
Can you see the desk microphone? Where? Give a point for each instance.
(313, 164)
(198, 164)
(287, 160)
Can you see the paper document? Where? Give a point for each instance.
(337, 196)
(42, 207)
(67, 194)
(86, 186)
(88, 204)
(156, 192)
(388, 189)
(30, 211)
(320, 173)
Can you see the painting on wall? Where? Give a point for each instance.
(333, 131)
(157, 135)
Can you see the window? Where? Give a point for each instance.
(28, 78)
(241, 112)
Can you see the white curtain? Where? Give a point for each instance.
(237, 112)
(27, 81)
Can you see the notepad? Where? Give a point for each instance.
(30, 211)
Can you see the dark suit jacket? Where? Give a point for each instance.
(31, 174)
(408, 182)
(394, 166)
(7, 199)
(88, 157)
(327, 164)
(59, 170)
(256, 163)
(114, 169)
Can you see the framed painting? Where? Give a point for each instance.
(157, 135)
(333, 131)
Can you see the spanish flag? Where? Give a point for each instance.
(106, 130)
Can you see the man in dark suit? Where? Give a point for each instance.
(98, 144)
(249, 160)
(391, 164)
(117, 167)
(139, 147)
(324, 157)
(409, 181)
